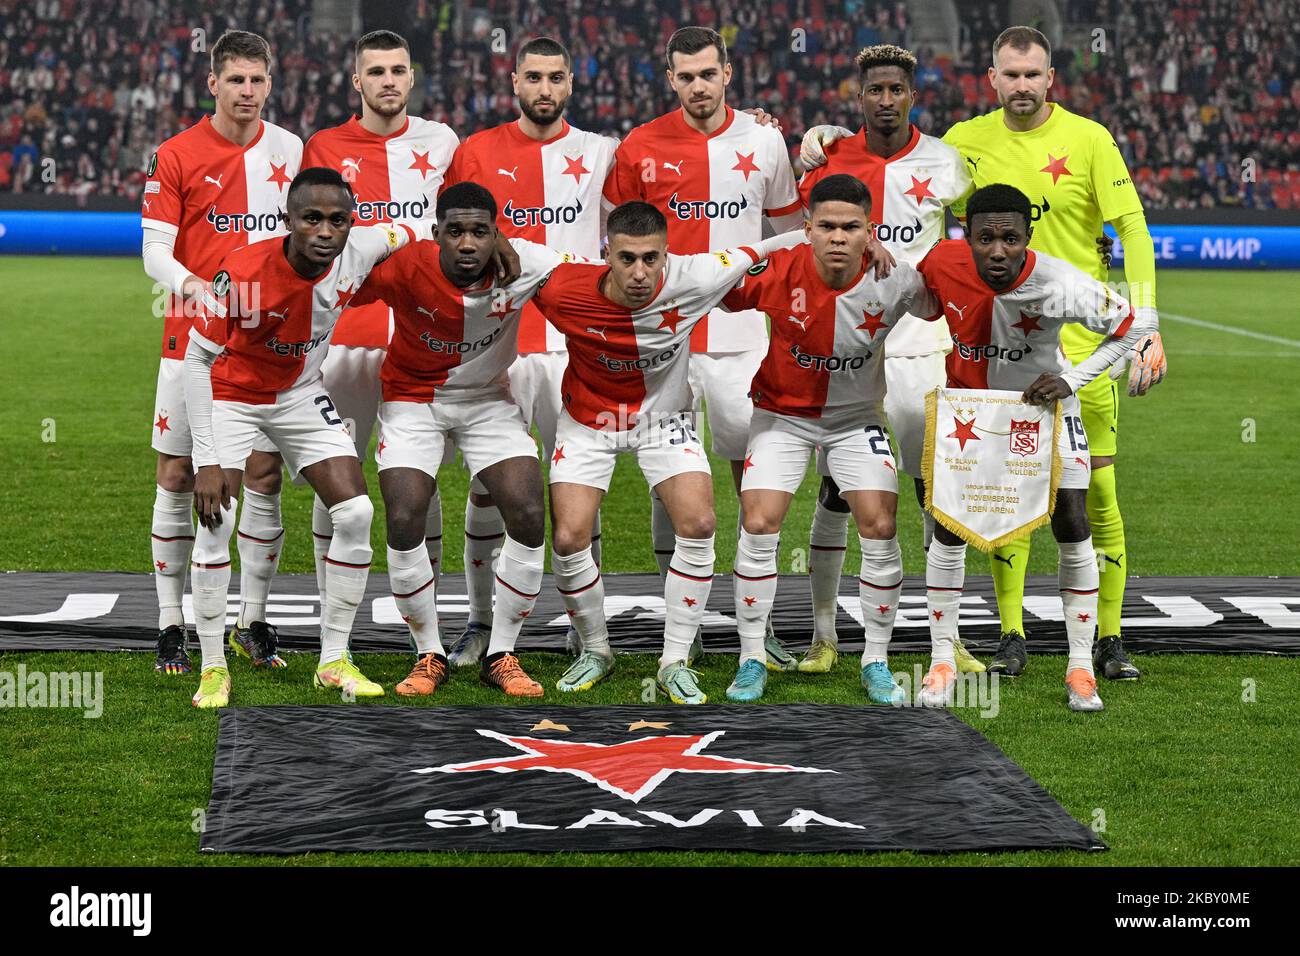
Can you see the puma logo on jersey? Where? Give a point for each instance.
(352, 164)
(216, 182)
(960, 311)
(508, 172)
(600, 331)
(432, 315)
(975, 163)
(278, 315)
(677, 168)
(802, 323)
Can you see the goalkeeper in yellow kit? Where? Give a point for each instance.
(1077, 180)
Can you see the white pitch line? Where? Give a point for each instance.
(1293, 343)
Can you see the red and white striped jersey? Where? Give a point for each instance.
(394, 178)
(909, 192)
(1005, 340)
(270, 326)
(547, 192)
(715, 191)
(449, 343)
(627, 364)
(215, 196)
(826, 358)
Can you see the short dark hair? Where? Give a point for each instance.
(1021, 39)
(886, 54)
(543, 46)
(316, 176)
(841, 187)
(381, 40)
(239, 44)
(689, 40)
(997, 197)
(466, 195)
(637, 219)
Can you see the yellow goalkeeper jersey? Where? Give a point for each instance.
(1073, 174)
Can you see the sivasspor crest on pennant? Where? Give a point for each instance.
(1024, 438)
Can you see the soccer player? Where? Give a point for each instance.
(395, 164)
(626, 389)
(546, 177)
(253, 368)
(913, 178)
(445, 379)
(1006, 307)
(210, 190)
(822, 387)
(716, 174)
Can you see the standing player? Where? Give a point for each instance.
(1006, 307)
(395, 164)
(626, 389)
(212, 189)
(253, 368)
(546, 178)
(822, 387)
(913, 178)
(716, 174)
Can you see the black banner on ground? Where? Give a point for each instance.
(797, 778)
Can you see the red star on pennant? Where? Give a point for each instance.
(421, 162)
(884, 608)
(690, 602)
(745, 164)
(630, 770)
(938, 615)
(749, 462)
(1056, 167)
(162, 565)
(872, 321)
(672, 318)
(1027, 324)
(750, 601)
(278, 176)
(965, 432)
(161, 424)
(558, 456)
(920, 190)
(1085, 618)
(574, 168)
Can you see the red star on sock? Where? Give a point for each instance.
(570, 612)
(574, 168)
(478, 562)
(524, 614)
(421, 162)
(1056, 167)
(161, 424)
(745, 164)
(272, 557)
(750, 601)
(965, 432)
(920, 190)
(279, 176)
(406, 618)
(938, 615)
(558, 456)
(884, 608)
(162, 565)
(1085, 618)
(690, 602)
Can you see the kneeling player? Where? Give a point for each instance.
(628, 324)
(1006, 307)
(822, 386)
(253, 369)
(445, 378)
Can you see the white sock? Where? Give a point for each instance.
(261, 541)
(686, 592)
(415, 589)
(583, 591)
(754, 583)
(827, 543)
(210, 580)
(880, 583)
(518, 582)
(595, 539)
(945, 576)
(1078, 578)
(433, 534)
(484, 532)
(347, 565)
(171, 538)
(322, 530)
(661, 534)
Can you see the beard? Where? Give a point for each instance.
(387, 108)
(1023, 107)
(555, 114)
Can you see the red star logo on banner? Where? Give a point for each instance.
(421, 162)
(161, 424)
(745, 164)
(278, 176)
(162, 565)
(672, 318)
(920, 190)
(574, 168)
(965, 432)
(872, 321)
(630, 770)
(558, 456)
(750, 601)
(1056, 167)
(1027, 324)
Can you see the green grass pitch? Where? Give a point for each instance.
(1182, 769)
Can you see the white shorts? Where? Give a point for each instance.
(305, 429)
(908, 379)
(487, 429)
(1076, 460)
(722, 382)
(858, 456)
(535, 385)
(351, 378)
(586, 456)
(171, 420)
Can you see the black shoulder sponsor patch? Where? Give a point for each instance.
(153, 165)
(221, 283)
(756, 269)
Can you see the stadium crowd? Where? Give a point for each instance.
(1203, 97)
